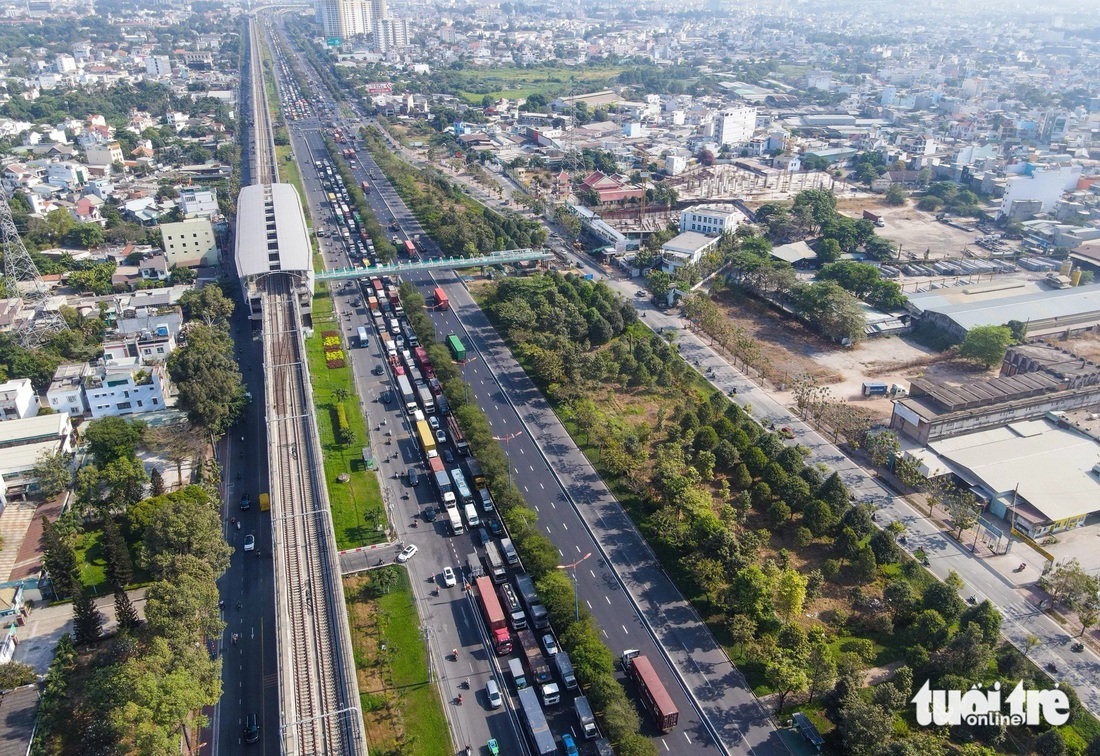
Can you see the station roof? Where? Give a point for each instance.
(271, 231)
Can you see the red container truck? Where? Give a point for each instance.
(494, 616)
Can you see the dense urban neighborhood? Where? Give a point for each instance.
(510, 378)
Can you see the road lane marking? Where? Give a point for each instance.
(608, 600)
(593, 574)
(625, 630)
(542, 486)
(566, 527)
(589, 603)
(525, 490)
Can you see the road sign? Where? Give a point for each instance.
(334, 41)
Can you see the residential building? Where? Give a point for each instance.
(104, 154)
(712, 220)
(22, 444)
(198, 202)
(1043, 184)
(148, 347)
(390, 33)
(686, 248)
(158, 65)
(17, 399)
(66, 174)
(190, 243)
(66, 392)
(126, 389)
(734, 126)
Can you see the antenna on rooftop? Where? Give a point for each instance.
(21, 279)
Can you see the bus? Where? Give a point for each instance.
(361, 334)
(410, 248)
(463, 491)
(457, 349)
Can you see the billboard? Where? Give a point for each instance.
(379, 87)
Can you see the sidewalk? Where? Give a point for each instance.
(46, 625)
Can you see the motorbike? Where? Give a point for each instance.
(1078, 647)
(1052, 667)
(971, 600)
(1022, 567)
(466, 684)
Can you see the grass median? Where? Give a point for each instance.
(402, 711)
(358, 516)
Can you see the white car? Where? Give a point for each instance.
(448, 577)
(441, 436)
(550, 644)
(434, 422)
(407, 553)
(250, 542)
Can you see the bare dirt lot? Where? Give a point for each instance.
(915, 231)
(796, 351)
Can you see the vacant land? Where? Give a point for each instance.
(915, 231)
(401, 711)
(515, 83)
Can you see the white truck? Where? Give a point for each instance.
(584, 714)
(565, 670)
(456, 521)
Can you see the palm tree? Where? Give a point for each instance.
(384, 580)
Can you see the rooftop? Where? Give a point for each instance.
(30, 428)
(272, 232)
(988, 309)
(688, 243)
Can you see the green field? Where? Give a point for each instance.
(357, 513)
(515, 83)
(91, 562)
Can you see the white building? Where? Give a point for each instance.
(734, 126)
(65, 63)
(1044, 185)
(66, 392)
(712, 220)
(198, 202)
(126, 389)
(17, 399)
(23, 442)
(390, 33)
(190, 243)
(66, 174)
(686, 248)
(158, 65)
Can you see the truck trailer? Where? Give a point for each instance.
(494, 616)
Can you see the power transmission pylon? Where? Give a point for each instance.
(21, 279)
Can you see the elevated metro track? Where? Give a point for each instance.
(319, 708)
(508, 257)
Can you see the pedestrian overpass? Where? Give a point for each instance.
(507, 257)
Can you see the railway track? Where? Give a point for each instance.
(319, 706)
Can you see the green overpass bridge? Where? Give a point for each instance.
(508, 257)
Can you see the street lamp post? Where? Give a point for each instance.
(507, 452)
(576, 596)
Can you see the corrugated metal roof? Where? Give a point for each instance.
(261, 250)
(1034, 306)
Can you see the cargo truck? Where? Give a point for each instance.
(584, 715)
(540, 670)
(408, 398)
(536, 612)
(510, 554)
(441, 301)
(476, 475)
(456, 436)
(565, 670)
(456, 521)
(519, 677)
(492, 556)
(458, 350)
(474, 565)
(510, 601)
(446, 492)
(494, 616)
(427, 401)
(542, 740)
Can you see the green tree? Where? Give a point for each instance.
(785, 676)
(790, 594)
(944, 600)
(864, 566)
(820, 667)
(125, 613)
(52, 474)
(58, 558)
(207, 377)
(156, 482)
(896, 195)
(986, 344)
(208, 304)
(110, 438)
(190, 526)
(659, 284)
(87, 619)
(828, 251)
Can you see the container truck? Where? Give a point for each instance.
(461, 489)
(541, 739)
(584, 715)
(565, 670)
(510, 601)
(474, 565)
(494, 616)
(441, 301)
(654, 696)
(540, 670)
(458, 351)
(497, 569)
(427, 440)
(407, 396)
(420, 354)
(456, 436)
(536, 612)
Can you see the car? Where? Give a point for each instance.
(639, 294)
(569, 745)
(441, 436)
(495, 527)
(414, 477)
(448, 577)
(246, 503)
(483, 536)
(434, 422)
(378, 370)
(407, 553)
(493, 746)
(429, 514)
(250, 542)
(387, 397)
(550, 645)
(492, 692)
(786, 432)
(448, 457)
(251, 730)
